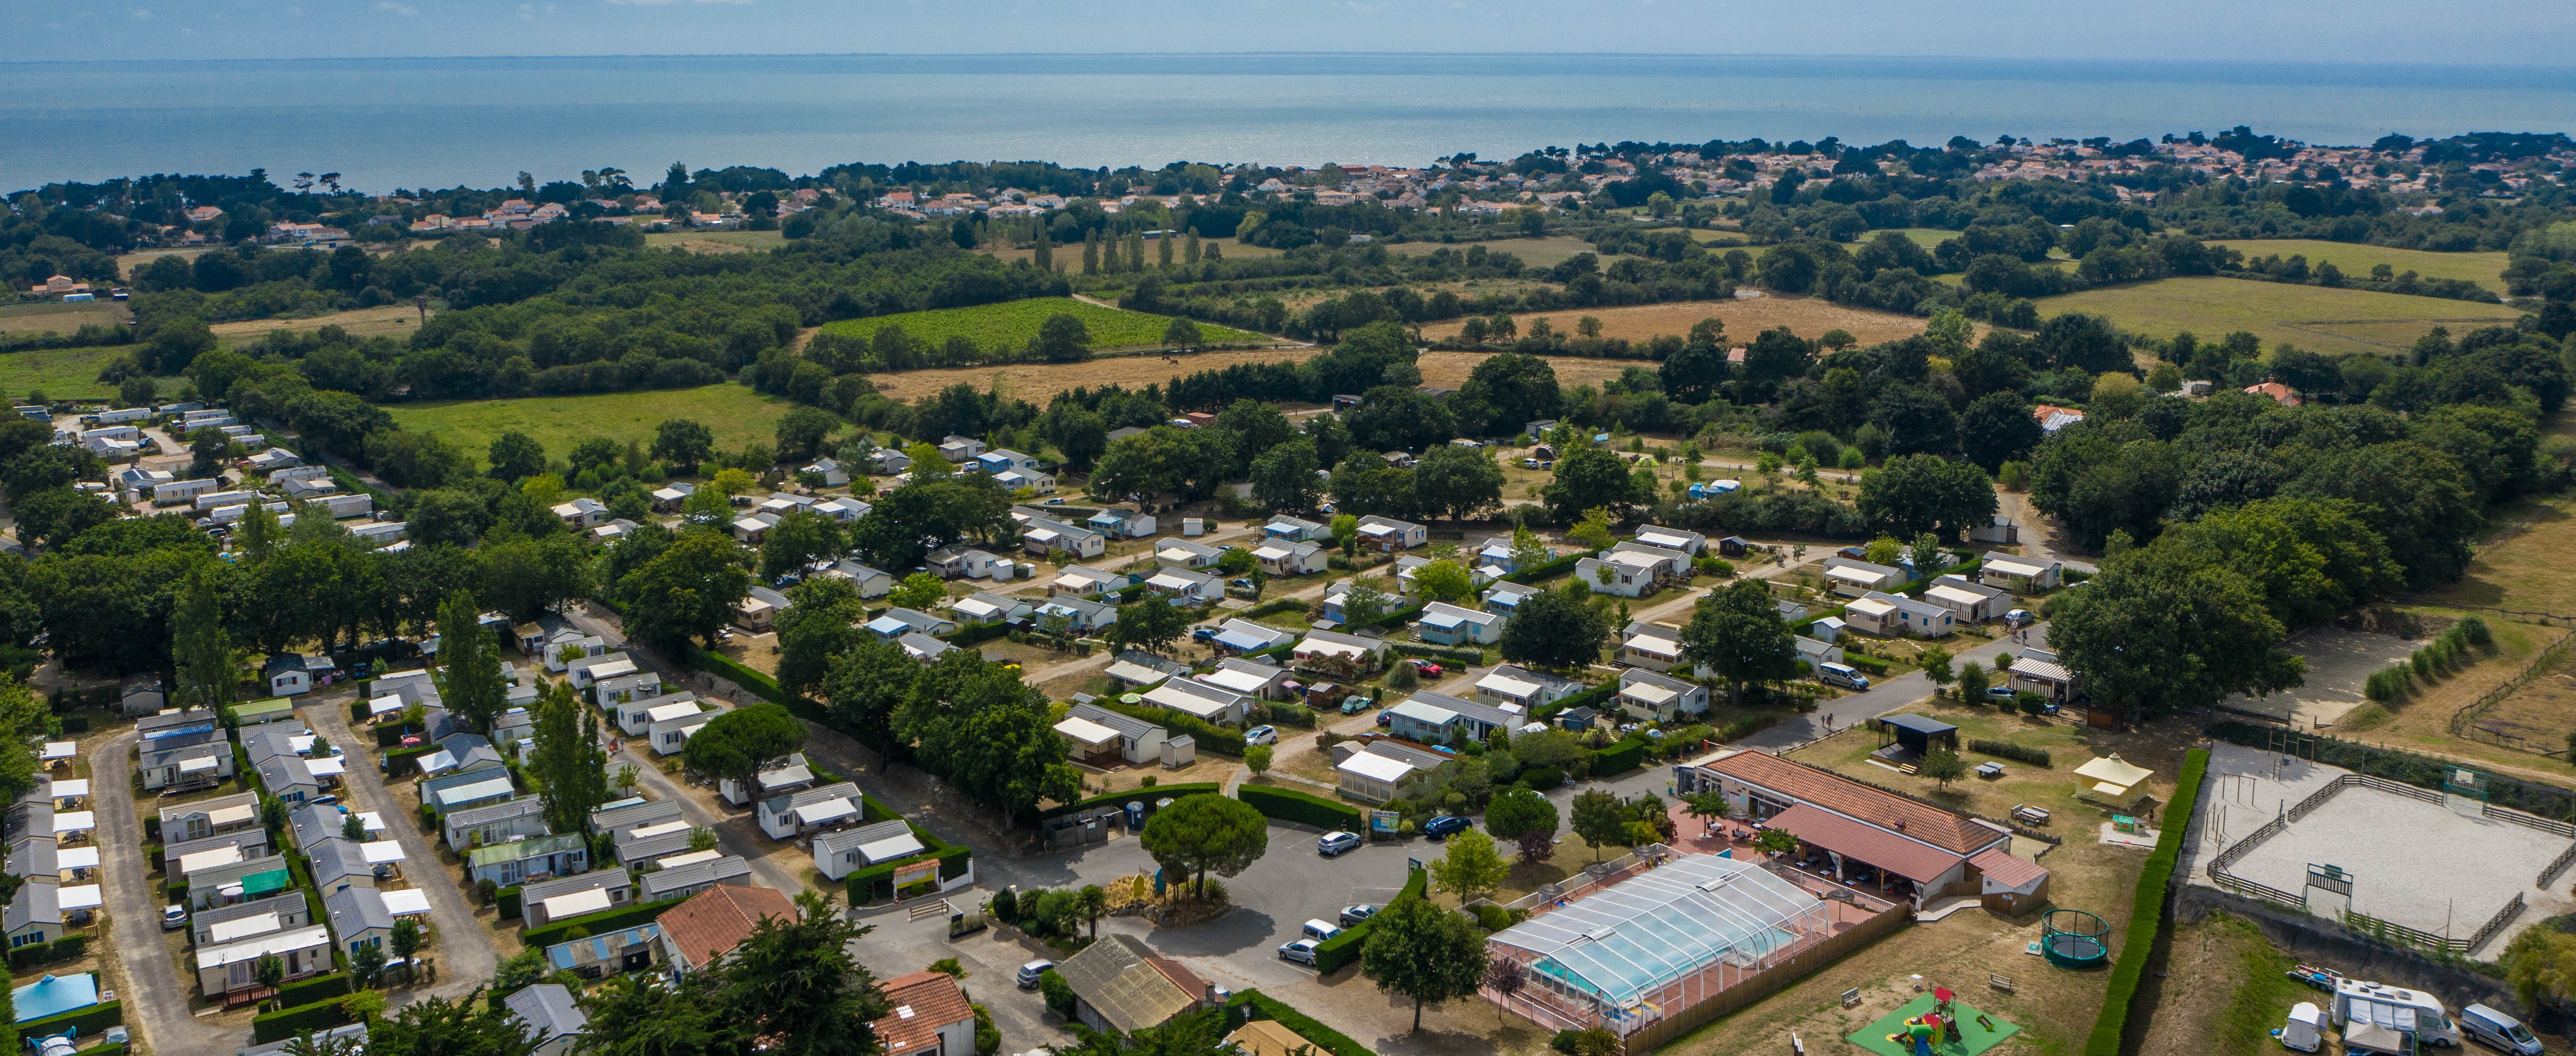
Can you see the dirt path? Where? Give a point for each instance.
(464, 945)
(158, 1006)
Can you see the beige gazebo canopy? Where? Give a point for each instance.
(2112, 776)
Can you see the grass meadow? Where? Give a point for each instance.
(2485, 269)
(736, 414)
(2332, 321)
(1012, 324)
(64, 373)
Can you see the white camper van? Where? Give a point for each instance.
(2360, 1004)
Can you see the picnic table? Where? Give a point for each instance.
(1990, 771)
(2029, 815)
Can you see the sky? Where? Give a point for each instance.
(2476, 32)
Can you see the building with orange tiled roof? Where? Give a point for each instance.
(2281, 394)
(705, 928)
(1868, 834)
(931, 1017)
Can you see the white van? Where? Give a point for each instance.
(2500, 1030)
(1833, 674)
(1319, 930)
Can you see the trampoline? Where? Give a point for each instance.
(2073, 938)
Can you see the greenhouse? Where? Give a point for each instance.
(1658, 943)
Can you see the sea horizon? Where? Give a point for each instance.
(478, 120)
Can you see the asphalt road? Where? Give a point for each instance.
(464, 948)
(156, 1005)
(729, 838)
(1885, 696)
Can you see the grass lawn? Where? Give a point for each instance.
(1012, 324)
(2485, 269)
(64, 372)
(394, 320)
(2312, 317)
(736, 414)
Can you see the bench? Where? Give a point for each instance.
(1999, 982)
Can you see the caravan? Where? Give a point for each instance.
(2373, 1016)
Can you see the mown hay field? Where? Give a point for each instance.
(736, 414)
(397, 320)
(1807, 317)
(1039, 382)
(1011, 324)
(2333, 321)
(56, 317)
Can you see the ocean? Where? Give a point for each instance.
(386, 123)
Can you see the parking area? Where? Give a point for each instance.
(2339, 661)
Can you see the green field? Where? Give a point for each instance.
(736, 414)
(1011, 324)
(2312, 317)
(56, 317)
(1535, 252)
(716, 241)
(63, 373)
(2485, 269)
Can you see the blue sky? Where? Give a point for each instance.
(2477, 33)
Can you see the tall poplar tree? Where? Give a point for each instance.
(571, 771)
(1044, 255)
(200, 647)
(470, 680)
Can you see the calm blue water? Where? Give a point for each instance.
(441, 122)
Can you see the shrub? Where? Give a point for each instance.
(2473, 629)
(1058, 993)
(1006, 906)
(1290, 805)
(1871, 664)
(1619, 758)
(316, 989)
(508, 898)
(2032, 703)
(2009, 750)
(1495, 918)
(2146, 914)
(1542, 778)
(1120, 799)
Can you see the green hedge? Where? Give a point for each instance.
(877, 881)
(2147, 913)
(281, 1025)
(1619, 758)
(389, 736)
(1550, 569)
(507, 899)
(1138, 795)
(602, 921)
(1588, 698)
(1434, 652)
(402, 761)
(1870, 664)
(2008, 750)
(1262, 1006)
(1343, 950)
(89, 1021)
(1290, 805)
(981, 632)
(1398, 618)
(318, 988)
(67, 948)
(1209, 736)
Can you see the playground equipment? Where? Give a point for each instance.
(1939, 1023)
(2073, 938)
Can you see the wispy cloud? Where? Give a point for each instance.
(143, 14)
(390, 7)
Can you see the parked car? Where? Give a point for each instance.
(1203, 634)
(2017, 617)
(1241, 588)
(1440, 827)
(1261, 735)
(2497, 1029)
(1301, 951)
(2002, 693)
(1352, 915)
(1424, 666)
(1385, 718)
(174, 918)
(1354, 705)
(1332, 844)
(1030, 972)
(1321, 930)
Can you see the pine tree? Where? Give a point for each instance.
(200, 647)
(470, 678)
